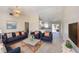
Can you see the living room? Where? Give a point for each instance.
(14, 21)
(29, 16)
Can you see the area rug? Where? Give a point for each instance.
(27, 48)
(35, 47)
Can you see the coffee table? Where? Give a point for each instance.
(34, 44)
(30, 41)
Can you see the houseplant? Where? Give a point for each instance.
(68, 45)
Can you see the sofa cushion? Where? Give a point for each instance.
(10, 39)
(46, 39)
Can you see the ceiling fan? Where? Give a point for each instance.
(15, 11)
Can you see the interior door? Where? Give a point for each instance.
(27, 27)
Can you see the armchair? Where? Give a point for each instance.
(15, 50)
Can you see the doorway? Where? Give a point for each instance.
(56, 31)
(27, 27)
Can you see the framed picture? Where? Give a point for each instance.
(11, 25)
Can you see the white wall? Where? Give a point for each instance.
(30, 17)
(71, 15)
(33, 23)
(20, 25)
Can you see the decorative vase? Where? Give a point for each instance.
(32, 38)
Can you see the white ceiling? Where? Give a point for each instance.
(51, 13)
(46, 13)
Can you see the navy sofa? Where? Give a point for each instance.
(13, 38)
(38, 35)
(47, 38)
(42, 37)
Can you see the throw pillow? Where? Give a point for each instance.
(46, 34)
(17, 34)
(36, 32)
(9, 35)
(22, 33)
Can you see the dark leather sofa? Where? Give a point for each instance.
(37, 35)
(47, 38)
(13, 38)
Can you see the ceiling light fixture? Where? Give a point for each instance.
(15, 12)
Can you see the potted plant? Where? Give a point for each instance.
(68, 45)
